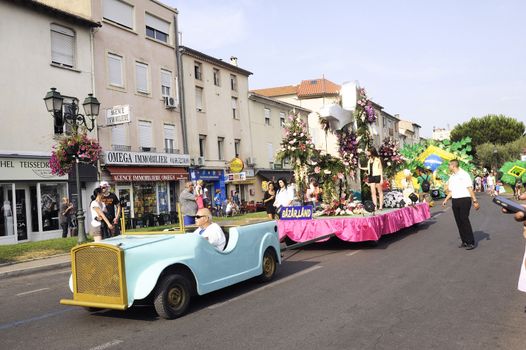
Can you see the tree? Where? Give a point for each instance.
(490, 155)
(494, 129)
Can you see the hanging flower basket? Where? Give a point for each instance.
(69, 149)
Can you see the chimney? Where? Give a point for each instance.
(233, 60)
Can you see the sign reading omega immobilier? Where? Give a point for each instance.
(27, 169)
(145, 158)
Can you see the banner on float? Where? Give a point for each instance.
(296, 212)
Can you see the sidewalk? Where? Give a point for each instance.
(37, 265)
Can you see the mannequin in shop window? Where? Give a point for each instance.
(8, 218)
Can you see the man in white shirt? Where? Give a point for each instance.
(209, 230)
(460, 188)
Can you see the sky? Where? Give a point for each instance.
(436, 63)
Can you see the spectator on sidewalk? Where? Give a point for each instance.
(112, 211)
(188, 202)
(97, 215)
(64, 216)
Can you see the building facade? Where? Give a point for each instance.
(267, 120)
(55, 52)
(140, 126)
(217, 119)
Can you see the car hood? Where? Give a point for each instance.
(132, 241)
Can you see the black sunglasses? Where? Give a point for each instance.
(200, 216)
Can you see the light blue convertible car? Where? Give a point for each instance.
(168, 269)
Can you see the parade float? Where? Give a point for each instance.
(344, 210)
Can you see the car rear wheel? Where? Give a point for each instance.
(269, 265)
(172, 296)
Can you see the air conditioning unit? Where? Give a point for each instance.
(169, 102)
(251, 161)
(201, 161)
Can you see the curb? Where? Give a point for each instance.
(35, 259)
(35, 269)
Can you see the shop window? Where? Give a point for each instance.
(163, 198)
(145, 201)
(6, 217)
(50, 198)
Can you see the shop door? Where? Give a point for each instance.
(124, 194)
(21, 214)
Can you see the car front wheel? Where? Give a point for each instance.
(172, 296)
(269, 265)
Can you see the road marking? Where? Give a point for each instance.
(36, 318)
(278, 282)
(108, 344)
(31, 291)
(351, 254)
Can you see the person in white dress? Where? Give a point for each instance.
(283, 195)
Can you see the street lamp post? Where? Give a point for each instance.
(54, 102)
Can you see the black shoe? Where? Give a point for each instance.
(463, 245)
(470, 246)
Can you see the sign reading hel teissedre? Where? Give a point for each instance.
(296, 212)
(27, 169)
(145, 158)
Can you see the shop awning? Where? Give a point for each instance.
(135, 174)
(242, 182)
(275, 175)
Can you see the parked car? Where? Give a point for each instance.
(166, 270)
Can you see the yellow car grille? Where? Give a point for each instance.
(97, 272)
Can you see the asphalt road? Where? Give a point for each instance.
(414, 290)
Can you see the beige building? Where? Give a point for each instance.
(267, 119)
(441, 134)
(409, 132)
(44, 47)
(217, 115)
(326, 98)
(140, 121)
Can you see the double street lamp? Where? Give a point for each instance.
(54, 103)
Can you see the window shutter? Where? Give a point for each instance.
(62, 45)
(169, 131)
(118, 11)
(199, 98)
(119, 135)
(234, 103)
(157, 23)
(141, 76)
(115, 70)
(166, 81)
(270, 150)
(145, 134)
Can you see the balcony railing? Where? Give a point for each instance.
(147, 149)
(123, 148)
(172, 150)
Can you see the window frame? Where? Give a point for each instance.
(198, 70)
(233, 82)
(267, 117)
(216, 74)
(122, 76)
(163, 71)
(147, 75)
(73, 37)
(202, 145)
(235, 113)
(200, 107)
(114, 21)
(220, 148)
